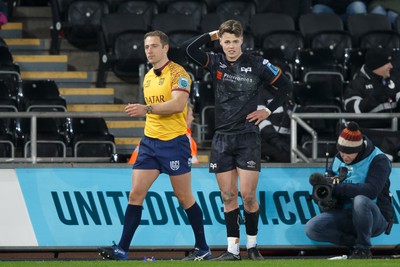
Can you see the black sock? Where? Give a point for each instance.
(195, 216)
(251, 222)
(232, 221)
(133, 215)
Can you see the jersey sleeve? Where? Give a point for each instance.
(180, 79)
(269, 71)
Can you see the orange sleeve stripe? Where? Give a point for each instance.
(277, 76)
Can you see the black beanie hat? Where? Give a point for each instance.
(376, 58)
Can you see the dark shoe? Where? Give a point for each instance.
(227, 256)
(198, 255)
(254, 254)
(114, 252)
(361, 253)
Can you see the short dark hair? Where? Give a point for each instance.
(231, 26)
(163, 37)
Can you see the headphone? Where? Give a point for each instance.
(157, 72)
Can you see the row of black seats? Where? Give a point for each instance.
(56, 137)
(88, 137)
(121, 31)
(79, 20)
(272, 35)
(29, 95)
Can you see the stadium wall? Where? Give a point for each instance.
(58, 205)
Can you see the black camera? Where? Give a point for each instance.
(323, 187)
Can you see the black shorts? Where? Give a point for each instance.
(231, 151)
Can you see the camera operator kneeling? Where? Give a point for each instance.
(355, 207)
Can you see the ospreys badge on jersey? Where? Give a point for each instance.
(183, 83)
(174, 165)
(271, 67)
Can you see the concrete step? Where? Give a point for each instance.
(11, 30)
(42, 62)
(126, 128)
(27, 45)
(125, 145)
(62, 78)
(88, 95)
(96, 108)
(36, 20)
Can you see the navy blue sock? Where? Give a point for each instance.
(133, 215)
(195, 216)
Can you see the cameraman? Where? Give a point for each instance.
(363, 209)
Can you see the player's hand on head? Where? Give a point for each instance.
(214, 35)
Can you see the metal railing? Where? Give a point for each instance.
(33, 135)
(297, 120)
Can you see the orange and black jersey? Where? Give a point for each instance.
(237, 85)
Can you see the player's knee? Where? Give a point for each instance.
(136, 198)
(249, 199)
(228, 196)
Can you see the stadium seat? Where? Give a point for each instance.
(145, 9)
(193, 8)
(7, 101)
(353, 60)
(372, 30)
(6, 139)
(179, 29)
(293, 8)
(50, 135)
(121, 47)
(89, 137)
(322, 30)
(311, 62)
(6, 60)
(78, 21)
(273, 31)
(319, 97)
(242, 10)
(40, 95)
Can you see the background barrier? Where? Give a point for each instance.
(72, 206)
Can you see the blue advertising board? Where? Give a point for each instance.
(86, 206)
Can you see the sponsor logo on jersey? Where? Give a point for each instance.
(174, 165)
(161, 81)
(183, 83)
(219, 75)
(234, 78)
(244, 69)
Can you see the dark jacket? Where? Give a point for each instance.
(369, 92)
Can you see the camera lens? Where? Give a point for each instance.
(322, 192)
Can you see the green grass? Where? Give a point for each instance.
(177, 263)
